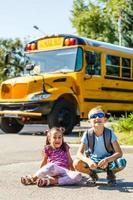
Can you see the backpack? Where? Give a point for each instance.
(107, 135)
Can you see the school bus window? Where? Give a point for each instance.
(61, 60)
(79, 60)
(112, 65)
(126, 63)
(93, 66)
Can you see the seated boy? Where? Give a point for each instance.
(103, 153)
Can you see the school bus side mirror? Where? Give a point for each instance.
(30, 67)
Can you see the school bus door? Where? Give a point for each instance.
(92, 80)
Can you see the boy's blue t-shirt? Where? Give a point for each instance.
(99, 148)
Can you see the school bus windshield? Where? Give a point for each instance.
(54, 61)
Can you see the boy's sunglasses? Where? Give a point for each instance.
(99, 115)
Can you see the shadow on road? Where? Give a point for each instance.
(121, 186)
(124, 187)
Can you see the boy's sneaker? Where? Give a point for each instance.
(111, 178)
(92, 180)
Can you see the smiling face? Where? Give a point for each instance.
(97, 118)
(56, 138)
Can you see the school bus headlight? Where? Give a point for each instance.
(39, 96)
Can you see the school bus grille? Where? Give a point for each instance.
(13, 91)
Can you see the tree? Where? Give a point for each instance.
(89, 20)
(127, 25)
(103, 20)
(121, 15)
(15, 50)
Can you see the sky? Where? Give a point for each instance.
(17, 18)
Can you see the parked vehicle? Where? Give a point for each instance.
(64, 77)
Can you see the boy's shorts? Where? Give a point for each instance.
(116, 164)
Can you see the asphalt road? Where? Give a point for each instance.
(20, 154)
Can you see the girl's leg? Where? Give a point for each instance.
(57, 175)
(50, 169)
(70, 177)
(28, 180)
(48, 174)
(46, 181)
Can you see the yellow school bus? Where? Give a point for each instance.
(64, 77)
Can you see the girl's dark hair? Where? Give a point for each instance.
(48, 132)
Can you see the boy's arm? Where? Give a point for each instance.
(118, 152)
(85, 159)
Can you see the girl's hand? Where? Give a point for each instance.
(103, 164)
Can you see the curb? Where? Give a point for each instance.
(125, 148)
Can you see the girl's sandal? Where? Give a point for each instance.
(41, 182)
(27, 180)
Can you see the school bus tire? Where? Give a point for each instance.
(63, 114)
(10, 125)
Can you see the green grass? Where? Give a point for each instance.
(125, 138)
(124, 129)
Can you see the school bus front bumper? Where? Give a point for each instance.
(26, 109)
(8, 113)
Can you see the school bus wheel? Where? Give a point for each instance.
(63, 114)
(10, 125)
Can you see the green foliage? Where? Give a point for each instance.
(124, 124)
(104, 20)
(127, 25)
(89, 20)
(15, 66)
(123, 128)
(125, 137)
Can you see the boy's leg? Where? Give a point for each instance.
(113, 168)
(84, 168)
(111, 178)
(119, 165)
(81, 166)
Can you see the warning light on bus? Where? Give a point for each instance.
(70, 41)
(31, 47)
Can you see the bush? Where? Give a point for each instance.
(124, 124)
